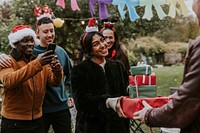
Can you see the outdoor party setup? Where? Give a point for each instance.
(142, 81)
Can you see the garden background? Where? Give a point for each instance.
(158, 42)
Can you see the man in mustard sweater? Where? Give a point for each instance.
(25, 83)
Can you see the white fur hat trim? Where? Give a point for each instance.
(20, 34)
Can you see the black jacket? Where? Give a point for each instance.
(91, 87)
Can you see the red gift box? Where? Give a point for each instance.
(139, 80)
(130, 106)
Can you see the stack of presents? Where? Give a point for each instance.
(142, 82)
(142, 86)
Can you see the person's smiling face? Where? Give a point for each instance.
(109, 36)
(46, 33)
(25, 46)
(99, 47)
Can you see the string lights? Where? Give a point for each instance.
(82, 20)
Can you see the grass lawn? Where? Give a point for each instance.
(166, 77)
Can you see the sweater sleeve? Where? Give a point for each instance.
(185, 105)
(11, 78)
(67, 66)
(55, 76)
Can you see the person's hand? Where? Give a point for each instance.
(5, 61)
(141, 114)
(55, 64)
(114, 103)
(46, 58)
(119, 109)
(70, 102)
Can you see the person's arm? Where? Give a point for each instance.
(114, 103)
(55, 73)
(184, 107)
(11, 78)
(67, 71)
(5, 61)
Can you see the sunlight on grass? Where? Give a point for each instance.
(168, 77)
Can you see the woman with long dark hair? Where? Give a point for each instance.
(98, 84)
(115, 48)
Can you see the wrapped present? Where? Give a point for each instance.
(141, 70)
(142, 91)
(130, 106)
(140, 80)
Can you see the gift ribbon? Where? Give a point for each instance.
(173, 9)
(136, 87)
(131, 8)
(146, 69)
(148, 8)
(74, 5)
(135, 80)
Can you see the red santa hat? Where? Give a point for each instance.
(19, 32)
(92, 25)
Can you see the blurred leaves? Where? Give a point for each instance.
(68, 36)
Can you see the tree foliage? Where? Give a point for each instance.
(68, 36)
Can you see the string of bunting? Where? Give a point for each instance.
(175, 7)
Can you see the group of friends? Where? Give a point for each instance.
(35, 81)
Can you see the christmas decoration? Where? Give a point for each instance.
(130, 106)
(131, 8)
(43, 12)
(148, 8)
(103, 13)
(74, 5)
(92, 25)
(19, 32)
(61, 3)
(58, 22)
(173, 9)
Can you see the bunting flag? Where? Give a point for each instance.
(103, 13)
(131, 8)
(173, 8)
(148, 8)
(61, 3)
(91, 6)
(74, 5)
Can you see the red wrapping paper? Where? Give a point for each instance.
(130, 106)
(139, 80)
